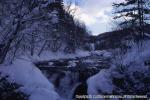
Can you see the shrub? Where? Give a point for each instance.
(9, 90)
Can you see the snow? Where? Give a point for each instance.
(54, 16)
(100, 82)
(136, 54)
(103, 53)
(36, 11)
(72, 64)
(47, 55)
(136, 57)
(32, 80)
(148, 35)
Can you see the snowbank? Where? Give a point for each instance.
(32, 80)
(100, 83)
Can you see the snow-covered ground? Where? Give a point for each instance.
(133, 60)
(100, 81)
(33, 82)
(61, 55)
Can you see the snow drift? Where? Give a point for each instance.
(33, 82)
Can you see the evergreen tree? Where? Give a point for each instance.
(136, 14)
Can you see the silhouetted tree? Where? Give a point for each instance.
(135, 13)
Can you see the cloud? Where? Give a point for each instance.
(96, 14)
(84, 16)
(91, 17)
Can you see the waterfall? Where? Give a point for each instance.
(92, 46)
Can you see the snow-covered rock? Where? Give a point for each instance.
(100, 82)
(33, 82)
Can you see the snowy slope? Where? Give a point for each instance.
(33, 81)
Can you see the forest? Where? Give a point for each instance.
(47, 53)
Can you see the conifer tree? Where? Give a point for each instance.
(136, 14)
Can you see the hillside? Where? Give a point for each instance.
(114, 39)
(37, 27)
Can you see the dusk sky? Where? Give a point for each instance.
(96, 14)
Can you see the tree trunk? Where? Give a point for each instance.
(7, 45)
